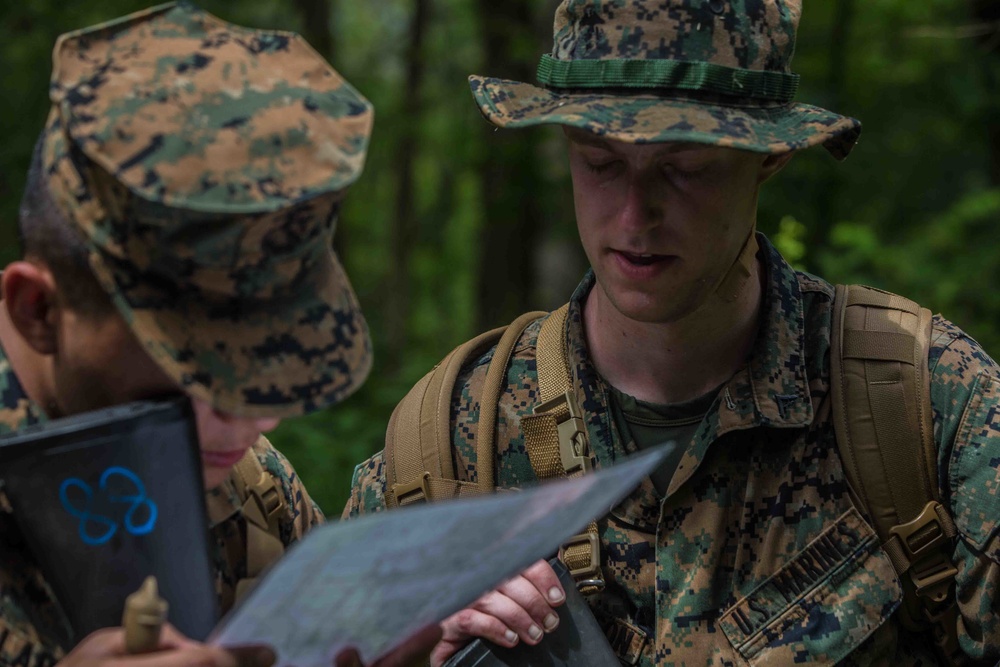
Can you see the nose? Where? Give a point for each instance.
(641, 208)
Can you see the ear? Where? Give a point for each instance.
(30, 296)
(772, 165)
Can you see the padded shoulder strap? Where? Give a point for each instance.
(263, 504)
(880, 388)
(418, 453)
(555, 436)
(881, 400)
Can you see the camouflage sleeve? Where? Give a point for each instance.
(965, 394)
(367, 488)
(302, 513)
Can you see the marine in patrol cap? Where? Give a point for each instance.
(205, 164)
(641, 71)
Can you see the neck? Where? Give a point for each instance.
(678, 361)
(32, 369)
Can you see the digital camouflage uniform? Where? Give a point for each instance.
(756, 554)
(33, 631)
(203, 164)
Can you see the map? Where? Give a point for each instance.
(372, 583)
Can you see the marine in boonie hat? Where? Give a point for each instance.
(205, 163)
(642, 71)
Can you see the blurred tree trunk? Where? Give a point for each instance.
(987, 12)
(828, 209)
(316, 24)
(404, 230)
(317, 28)
(510, 173)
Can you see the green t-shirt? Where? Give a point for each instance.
(649, 425)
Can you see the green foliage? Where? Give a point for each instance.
(945, 263)
(911, 210)
(790, 240)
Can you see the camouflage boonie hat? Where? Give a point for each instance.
(642, 71)
(205, 163)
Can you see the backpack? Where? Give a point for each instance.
(880, 394)
(262, 505)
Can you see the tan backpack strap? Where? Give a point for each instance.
(489, 402)
(263, 504)
(418, 453)
(555, 436)
(880, 388)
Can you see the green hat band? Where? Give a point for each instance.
(672, 74)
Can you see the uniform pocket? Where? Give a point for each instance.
(822, 604)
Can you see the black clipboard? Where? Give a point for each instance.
(106, 498)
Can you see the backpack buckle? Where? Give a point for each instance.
(574, 446)
(266, 495)
(933, 578)
(587, 573)
(417, 491)
(923, 535)
(931, 570)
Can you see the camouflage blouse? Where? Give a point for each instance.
(756, 554)
(33, 631)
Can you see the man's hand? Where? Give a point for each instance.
(107, 648)
(519, 610)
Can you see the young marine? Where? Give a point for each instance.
(177, 227)
(748, 546)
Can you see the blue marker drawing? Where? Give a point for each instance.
(87, 517)
(137, 500)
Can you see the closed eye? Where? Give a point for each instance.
(603, 167)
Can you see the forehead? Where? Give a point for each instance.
(583, 139)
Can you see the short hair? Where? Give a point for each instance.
(48, 237)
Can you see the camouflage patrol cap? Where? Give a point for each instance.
(204, 164)
(703, 71)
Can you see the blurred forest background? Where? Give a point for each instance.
(455, 228)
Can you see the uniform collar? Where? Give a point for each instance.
(771, 390)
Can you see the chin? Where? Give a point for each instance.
(214, 477)
(651, 309)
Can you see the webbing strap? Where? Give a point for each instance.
(418, 456)
(489, 402)
(868, 296)
(542, 436)
(880, 389)
(879, 346)
(553, 374)
(556, 439)
(263, 505)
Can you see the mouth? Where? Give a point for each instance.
(641, 259)
(641, 265)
